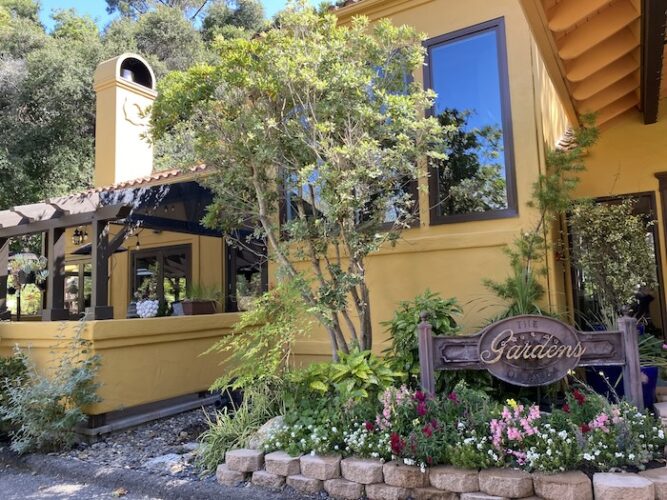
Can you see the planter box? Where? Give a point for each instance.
(196, 307)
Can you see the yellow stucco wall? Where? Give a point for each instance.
(453, 259)
(142, 360)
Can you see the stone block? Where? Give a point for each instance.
(244, 460)
(433, 494)
(478, 495)
(381, 491)
(574, 485)
(362, 471)
(506, 483)
(228, 477)
(320, 467)
(659, 479)
(660, 409)
(343, 489)
(304, 484)
(404, 476)
(612, 486)
(445, 477)
(282, 464)
(267, 480)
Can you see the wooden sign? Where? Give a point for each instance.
(532, 351)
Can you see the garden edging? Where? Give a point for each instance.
(353, 478)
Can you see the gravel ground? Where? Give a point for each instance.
(20, 485)
(167, 446)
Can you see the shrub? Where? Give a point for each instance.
(233, 428)
(12, 372)
(402, 328)
(43, 411)
(261, 344)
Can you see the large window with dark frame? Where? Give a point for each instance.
(162, 272)
(467, 69)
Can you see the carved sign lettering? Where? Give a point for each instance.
(531, 351)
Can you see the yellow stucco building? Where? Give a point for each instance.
(527, 68)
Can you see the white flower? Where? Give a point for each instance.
(661, 434)
(408, 461)
(631, 456)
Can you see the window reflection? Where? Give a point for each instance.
(466, 73)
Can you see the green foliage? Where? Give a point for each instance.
(43, 411)
(402, 328)
(230, 21)
(12, 370)
(261, 344)
(357, 375)
(613, 253)
(47, 101)
(233, 428)
(197, 291)
(324, 113)
(522, 291)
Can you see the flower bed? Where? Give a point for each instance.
(468, 430)
(406, 444)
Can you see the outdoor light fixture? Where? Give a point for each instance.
(79, 236)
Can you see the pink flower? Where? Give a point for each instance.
(514, 434)
(421, 408)
(453, 397)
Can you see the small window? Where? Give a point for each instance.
(468, 72)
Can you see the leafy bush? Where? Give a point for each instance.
(43, 411)
(12, 372)
(402, 328)
(260, 345)
(357, 375)
(233, 428)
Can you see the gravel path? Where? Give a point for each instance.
(167, 446)
(21, 485)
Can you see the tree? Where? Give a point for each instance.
(137, 8)
(232, 19)
(318, 119)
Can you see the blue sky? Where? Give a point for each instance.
(97, 9)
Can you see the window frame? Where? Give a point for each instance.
(497, 26)
(160, 252)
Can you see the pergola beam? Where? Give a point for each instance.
(4, 264)
(55, 279)
(652, 49)
(109, 212)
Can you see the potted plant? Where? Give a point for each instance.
(612, 251)
(247, 290)
(201, 300)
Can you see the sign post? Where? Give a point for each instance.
(532, 351)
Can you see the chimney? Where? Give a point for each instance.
(125, 89)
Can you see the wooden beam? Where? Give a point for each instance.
(55, 280)
(99, 301)
(609, 95)
(601, 55)
(597, 29)
(105, 213)
(608, 75)
(652, 49)
(4, 263)
(37, 211)
(567, 13)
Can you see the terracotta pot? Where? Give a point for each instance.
(195, 307)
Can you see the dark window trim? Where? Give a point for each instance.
(159, 251)
(498, 25)
(650, 195)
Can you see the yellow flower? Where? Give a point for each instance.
(512, 404)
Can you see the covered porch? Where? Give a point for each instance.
(101, 247)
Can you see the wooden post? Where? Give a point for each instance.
(99, 301)
(4, 263)
(632, 377)
(425, 335)
(55, 280)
